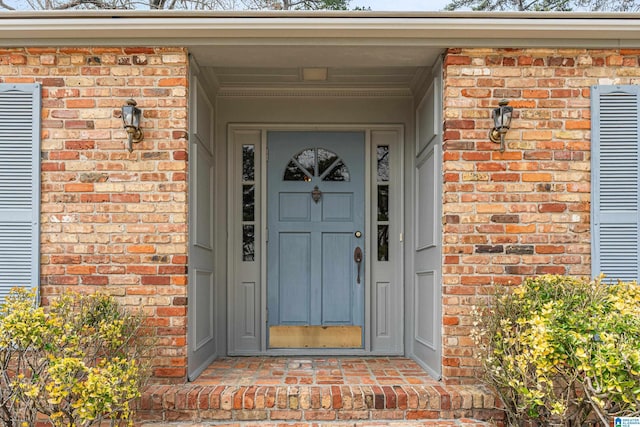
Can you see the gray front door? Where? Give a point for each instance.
(315, 211)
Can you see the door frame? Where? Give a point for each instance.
(261, 191)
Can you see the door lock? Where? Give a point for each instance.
(358, 234)
(357, 257)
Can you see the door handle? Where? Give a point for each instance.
(357, 257)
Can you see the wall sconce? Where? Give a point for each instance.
(501, 123)
(131, 121)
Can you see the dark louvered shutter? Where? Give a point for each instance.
(19, 186)
(615, 132)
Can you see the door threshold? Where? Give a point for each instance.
(311, 352)
(315, 337)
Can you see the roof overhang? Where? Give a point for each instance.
(359, 48)
(438, 29)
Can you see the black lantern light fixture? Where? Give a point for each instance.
(501, 123)
(131, 121)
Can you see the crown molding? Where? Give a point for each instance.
(329, 92)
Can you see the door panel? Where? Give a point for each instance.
(203, 319)
(337, 274)
(247, 295)
(201, 291)
(337, 207)
(315, 188)
(295, 207)
(295, 282)
(425, 299)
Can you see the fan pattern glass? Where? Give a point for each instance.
(316, 162)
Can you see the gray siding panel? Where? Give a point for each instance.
(424, 321)
(202, 292)
(615, 181)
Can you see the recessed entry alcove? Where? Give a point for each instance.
(310, 166)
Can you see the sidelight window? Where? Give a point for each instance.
(383, 201)
(248, 202)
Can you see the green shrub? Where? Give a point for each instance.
(561, 350)
(79, 362)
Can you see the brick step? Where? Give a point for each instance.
(464, 422)
(351, 405)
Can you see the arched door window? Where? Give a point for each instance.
(316, 162)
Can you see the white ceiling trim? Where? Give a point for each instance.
(284, 92)
(444, 29)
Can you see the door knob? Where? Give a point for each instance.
(357, 257)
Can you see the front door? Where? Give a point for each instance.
(315, 249)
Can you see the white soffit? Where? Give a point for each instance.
(338, 78)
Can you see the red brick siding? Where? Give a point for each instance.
(526, 211)
(117, 222)
(114, 221)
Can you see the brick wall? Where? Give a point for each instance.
(114, 221)
(525, 211)
(117, 222)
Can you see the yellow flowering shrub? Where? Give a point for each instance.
(563, 351)
(80, 362)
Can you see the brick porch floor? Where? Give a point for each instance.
(315, 392)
